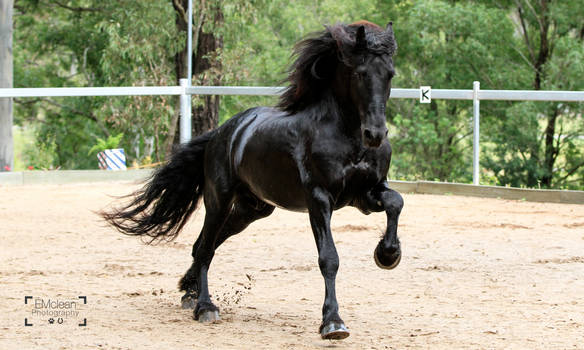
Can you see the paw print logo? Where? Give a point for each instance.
(51, 320)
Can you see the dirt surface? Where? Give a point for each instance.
(476, 273)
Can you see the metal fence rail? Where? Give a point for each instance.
(92, 91)
(442, 94)
(185, 90)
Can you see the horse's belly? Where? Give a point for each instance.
(273, 177)
(280, 189)
(298, 207)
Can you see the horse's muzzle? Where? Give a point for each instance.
(373, 137)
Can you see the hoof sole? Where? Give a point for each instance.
(209, 316)
(334, 331)
(389, 267)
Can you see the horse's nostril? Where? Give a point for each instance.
(386, 131)
(368, 134)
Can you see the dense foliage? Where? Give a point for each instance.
(520, 44)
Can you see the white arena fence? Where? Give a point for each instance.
(185, 91)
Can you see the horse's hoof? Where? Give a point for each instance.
(188, 301)
(334, 331)
(387, 263)
(209, 316)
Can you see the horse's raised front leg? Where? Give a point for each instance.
(320, 211)
(387, 254)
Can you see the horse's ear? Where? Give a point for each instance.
(392, 43)
(389, 29)
(360, 40)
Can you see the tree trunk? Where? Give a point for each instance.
(6, 143)
(551, 150)
(206, 66)
(544, 47)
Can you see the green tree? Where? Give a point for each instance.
(95, 43)
(447, 45)
(516, 44)
(540, 144)
(505, 44)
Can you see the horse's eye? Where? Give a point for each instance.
(360, 73)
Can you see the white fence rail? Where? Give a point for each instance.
(442, 94)
(184, 90)
(92, 91)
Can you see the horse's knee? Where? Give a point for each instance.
(392, 201)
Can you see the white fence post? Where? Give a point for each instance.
(190, 43)
(185, 113)
(476, 87)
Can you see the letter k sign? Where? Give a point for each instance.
(425, 94)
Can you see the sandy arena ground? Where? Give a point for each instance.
(476, 273)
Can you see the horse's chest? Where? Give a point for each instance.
(362, 174)
(343, 172)
(359, 170)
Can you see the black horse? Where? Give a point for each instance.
(322, 148)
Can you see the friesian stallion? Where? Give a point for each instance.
(323, 147)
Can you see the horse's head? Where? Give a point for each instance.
(364, 78)
(355, 62)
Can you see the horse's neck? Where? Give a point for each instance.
(332, 109)
(347, 116)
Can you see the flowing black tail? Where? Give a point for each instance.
(163, 206)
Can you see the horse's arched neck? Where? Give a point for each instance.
(348, 112)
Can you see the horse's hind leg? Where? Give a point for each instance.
(245, 211)
(217, 210)
(189, 282)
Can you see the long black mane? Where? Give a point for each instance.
(317, 57)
